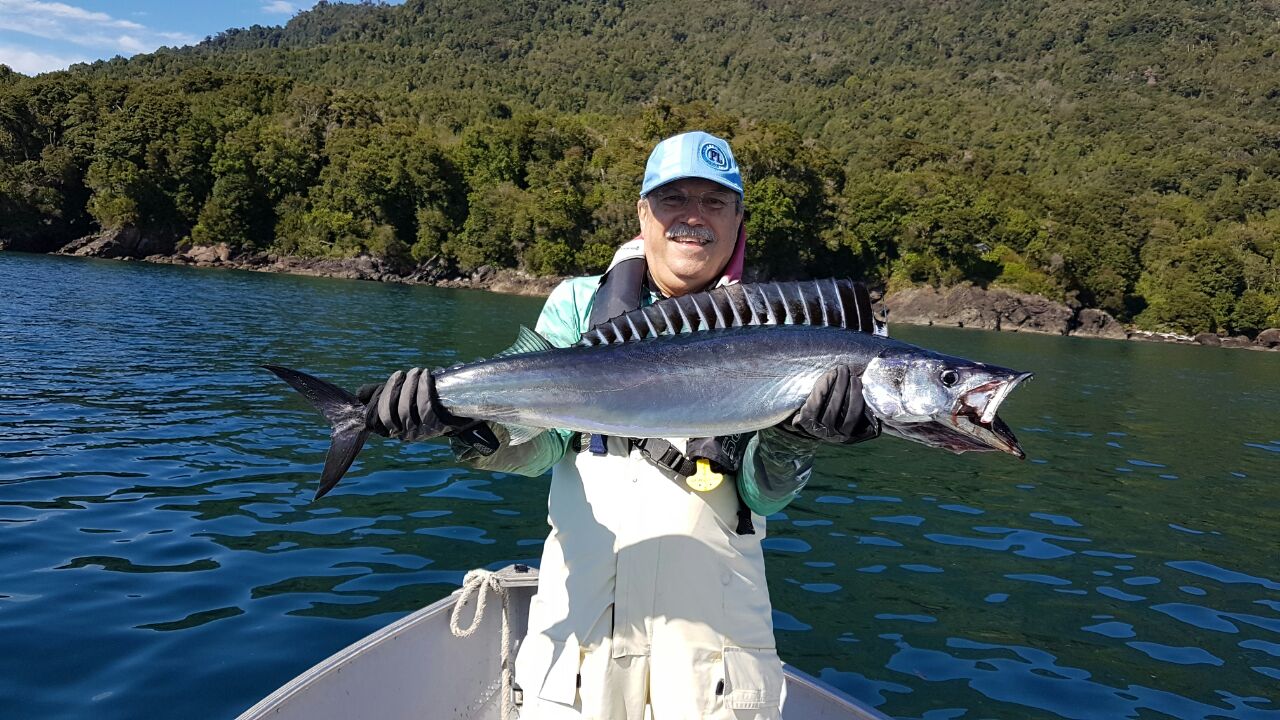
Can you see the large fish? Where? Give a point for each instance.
(727, 361)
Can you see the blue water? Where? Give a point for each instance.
(160, 555)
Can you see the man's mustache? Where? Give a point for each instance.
(696, 232)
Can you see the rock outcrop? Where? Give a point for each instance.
(1091, 322)
(1269, 338)
(127, 242)
(972, 307)
(210, 254)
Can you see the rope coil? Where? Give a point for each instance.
(477, 584)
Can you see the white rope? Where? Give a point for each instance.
(477, 583)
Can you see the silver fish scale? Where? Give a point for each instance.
(817, 303)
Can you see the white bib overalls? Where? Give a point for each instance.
(647, 596)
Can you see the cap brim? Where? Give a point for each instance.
(717, 180)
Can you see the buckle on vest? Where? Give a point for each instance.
(665, 455)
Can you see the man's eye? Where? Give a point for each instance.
(674, 201)
(714, 203)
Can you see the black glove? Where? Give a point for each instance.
(406, 407)
(834, 411)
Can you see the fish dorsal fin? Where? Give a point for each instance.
(527, 341)
(818, 303)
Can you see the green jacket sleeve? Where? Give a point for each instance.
(775, 468)
(561, 324)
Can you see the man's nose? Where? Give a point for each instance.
(693, 213)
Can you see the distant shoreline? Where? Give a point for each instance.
(962, 306)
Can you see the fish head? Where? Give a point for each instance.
(941, 401)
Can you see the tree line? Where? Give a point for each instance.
(1100, 158)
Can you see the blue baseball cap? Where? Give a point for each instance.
(692, 155)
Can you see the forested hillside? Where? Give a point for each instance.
(1113, 155)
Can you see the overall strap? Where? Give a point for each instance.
(621, 290)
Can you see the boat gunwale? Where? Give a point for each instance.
(265, 707)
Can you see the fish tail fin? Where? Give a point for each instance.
(344, 412)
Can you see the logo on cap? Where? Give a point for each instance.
(714, 156)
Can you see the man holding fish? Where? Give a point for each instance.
(650, 591)
(676, 409)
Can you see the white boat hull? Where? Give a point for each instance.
(415, 668)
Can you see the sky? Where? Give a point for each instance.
(41, 35)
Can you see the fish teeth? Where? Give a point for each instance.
(989, 413)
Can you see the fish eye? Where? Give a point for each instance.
(949, 377)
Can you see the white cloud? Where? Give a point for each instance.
(98, 30)
(279, 7)
(29, 62)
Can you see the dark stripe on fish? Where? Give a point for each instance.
(818, 303)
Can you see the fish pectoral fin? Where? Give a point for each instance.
(521, 433)
(527, 341)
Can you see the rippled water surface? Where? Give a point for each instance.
(160, 555)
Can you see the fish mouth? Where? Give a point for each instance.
(975, 415)
(972, 425)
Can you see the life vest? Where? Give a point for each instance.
(623, 288)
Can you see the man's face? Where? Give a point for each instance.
(690, 228)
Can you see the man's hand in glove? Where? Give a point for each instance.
(834, 411)
(406, 407)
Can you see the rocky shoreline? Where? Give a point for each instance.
(962, 306)
(129, 245)
(1006, 310)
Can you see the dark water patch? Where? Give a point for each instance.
(1144, 580)
(115, 564)
(961, 509)
(453, 532)
(823, 588)
(1025, 543)
(920, 568)
(1111, 629)
(912, 520)
(860, 686)
(834, 500)
(786, 545)
(786, 622)
(1038, 578)
(1222, 575)
(1146, 464)
(194, 620)
(1060, 520)
(890, 617)
(1116, 594)
(1176, 655)
(879, 541)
